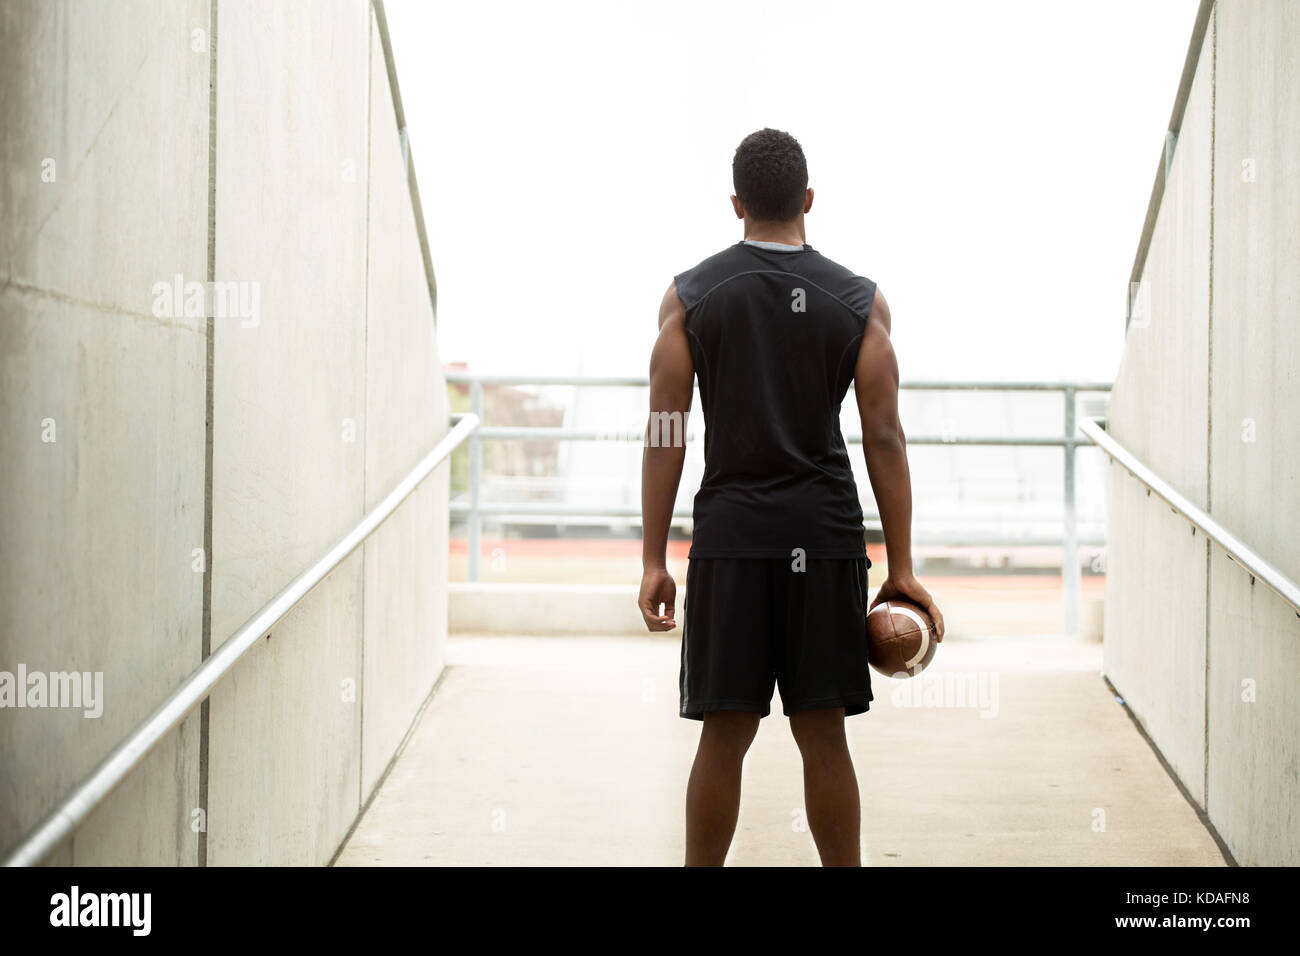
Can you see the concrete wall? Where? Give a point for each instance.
(1254, 745)
(319, 404)
(406, 559)
(488, 607)
(1207, 394)
(286, 484)
(1154, 631)
(97, 526)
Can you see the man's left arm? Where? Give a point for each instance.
(672, 383)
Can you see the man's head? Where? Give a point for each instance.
(770, 176)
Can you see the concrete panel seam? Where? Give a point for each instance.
(210, 401)
(108, 309)
(1209, 400)
(365, 414)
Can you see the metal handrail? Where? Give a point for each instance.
(468, 378)
(127, 755)
(1066, 440)
(550, 433)
(1172, 131)
(1235, 548)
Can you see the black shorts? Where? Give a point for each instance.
(752, 623)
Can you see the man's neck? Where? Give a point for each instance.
(788, 233)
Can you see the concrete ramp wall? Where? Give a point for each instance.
(202, 461)
(1154, 632)
(1208, 395)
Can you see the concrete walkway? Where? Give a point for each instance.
(569, 751)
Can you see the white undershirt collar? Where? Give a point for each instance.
(773, 246)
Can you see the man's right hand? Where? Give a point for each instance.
(905, 587)
(658, 587)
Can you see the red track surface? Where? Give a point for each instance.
(624, 549)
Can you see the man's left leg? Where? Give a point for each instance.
(713, 792)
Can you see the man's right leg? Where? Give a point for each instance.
(831, 797)
(713, 793)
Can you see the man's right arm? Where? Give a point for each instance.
(875, 382)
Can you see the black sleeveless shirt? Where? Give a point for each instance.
(774, 336)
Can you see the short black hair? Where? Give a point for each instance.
(770, 176)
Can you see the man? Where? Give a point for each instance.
(777, 581)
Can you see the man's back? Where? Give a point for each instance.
(777, 583)
(774, 332)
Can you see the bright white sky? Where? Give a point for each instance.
(988, 164)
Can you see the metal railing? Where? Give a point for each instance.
(475, 509)
(1236, 549)
(126, 756)
(1172, 131)
(408, 160)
